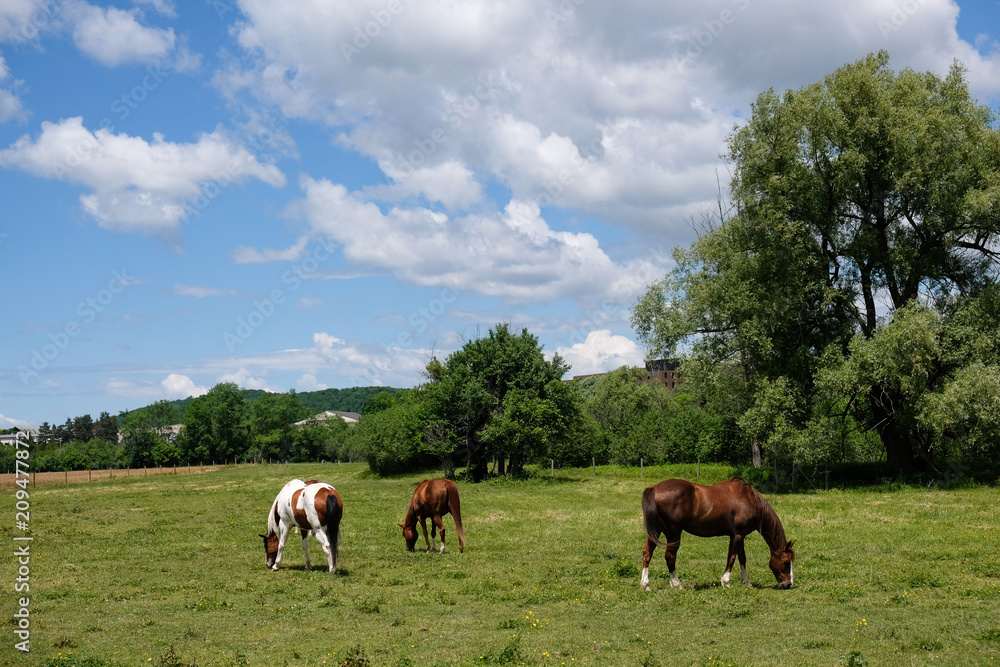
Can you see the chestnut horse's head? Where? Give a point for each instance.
(781, 565)
(410, 535)
(270, 549)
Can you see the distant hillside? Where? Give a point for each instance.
(344, 400)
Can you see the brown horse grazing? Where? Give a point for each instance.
(308, 506)
(732, 508)
(433, 498)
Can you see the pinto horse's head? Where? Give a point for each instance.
(781, 565)
(270, 549)
(410, 535)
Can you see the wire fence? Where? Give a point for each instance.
(77, 476)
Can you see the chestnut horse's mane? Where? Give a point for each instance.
(770, 525)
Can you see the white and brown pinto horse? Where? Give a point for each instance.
(433, 499)
(307, 506)
(732, 508)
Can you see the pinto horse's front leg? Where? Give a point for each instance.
(282, 538)
(305, 547)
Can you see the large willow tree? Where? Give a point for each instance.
(868, 194)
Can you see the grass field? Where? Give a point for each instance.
(169, 571)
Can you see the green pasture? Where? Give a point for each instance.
(169, 571)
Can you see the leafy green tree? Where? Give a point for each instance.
(106, 428)
(379, 402)
(272, 419)
(645, 420)
(500, 399)
(216, 426)
(395, 439)
(166, 454)
(83, 428)
(139, 439)
(853, 198)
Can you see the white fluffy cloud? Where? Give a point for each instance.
(114, 36)
(10, 104)
(173, 386)
(601, 352)
(138, 185)
(181, 386)
(617, 110)
(308, 382)
(200, 292)
(248, 255)
(513, 255)
(8, 422)
(245, 380)
(22, 20)
(352, 362)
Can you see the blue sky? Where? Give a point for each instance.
(326, 194)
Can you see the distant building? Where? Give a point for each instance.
(664, 371)
(22, 433)
(349, 417)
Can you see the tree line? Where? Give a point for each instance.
(226, 424)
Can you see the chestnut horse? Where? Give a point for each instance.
(732, 508)
(307, 506)
(433, 498)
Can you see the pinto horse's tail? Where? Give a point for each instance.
(456, 512)
(651, 517)
(334, 512)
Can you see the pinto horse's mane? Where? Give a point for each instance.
(273, 519)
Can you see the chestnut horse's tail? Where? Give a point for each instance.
(651, 517)
(456, 512)
(334, 512)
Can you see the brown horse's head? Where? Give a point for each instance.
(270, 549)
(781, 565)
(410, 535)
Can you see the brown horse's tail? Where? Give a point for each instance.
(456, 512)
(651, 517)
(334, 512)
